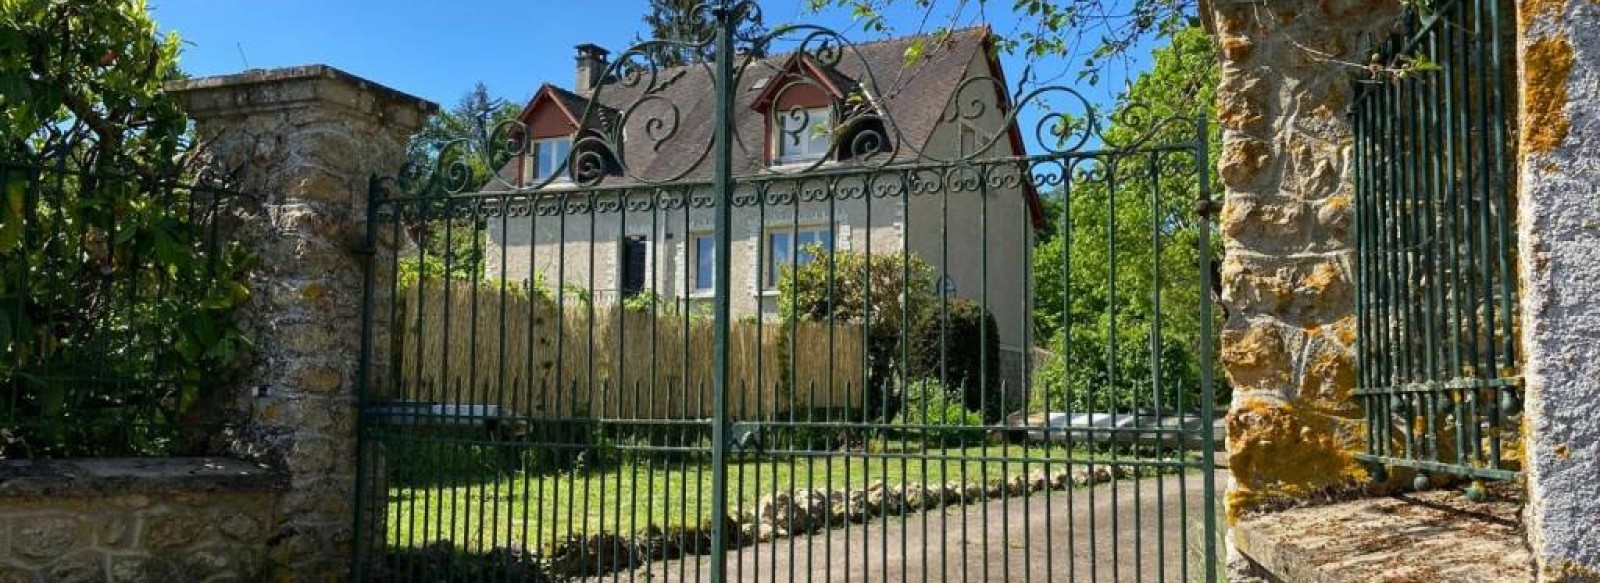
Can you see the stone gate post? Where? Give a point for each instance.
(1558, 232)
(308, 140)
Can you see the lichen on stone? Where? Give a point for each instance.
(1285, 451)
(1548, 65)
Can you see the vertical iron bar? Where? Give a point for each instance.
(1207, 398)
(363, 377)
(722, 185)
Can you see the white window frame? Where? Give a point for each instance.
(534, 175)
(693, 268)
(771, 267)
(782, 138)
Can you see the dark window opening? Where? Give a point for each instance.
(634, 257)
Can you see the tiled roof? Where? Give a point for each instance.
(668, 131)
(598, 119)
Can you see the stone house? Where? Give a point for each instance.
(798, 114)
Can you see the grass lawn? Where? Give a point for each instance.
(636, 493)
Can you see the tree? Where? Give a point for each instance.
(1099, 320)
(459, 134)
(117, 301)
(467, 138)
(690, 27)
(80, 73)
(1092, 30)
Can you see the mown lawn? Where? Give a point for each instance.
(636, 493)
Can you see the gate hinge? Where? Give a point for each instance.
(1207, 207)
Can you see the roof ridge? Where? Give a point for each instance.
(984, 28)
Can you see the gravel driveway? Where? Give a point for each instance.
(1128, 530)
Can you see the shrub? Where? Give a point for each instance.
(959, 344)
(118, 282)
(945, 420)
(1087, 375)
(886, 292)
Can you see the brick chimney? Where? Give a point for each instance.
(591, 68)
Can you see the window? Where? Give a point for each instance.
(969, 141)
(802, 135)
(635, 258)
(548, 157)
(705, 262)
(794, 248)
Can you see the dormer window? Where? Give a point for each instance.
(549, 155)
(801, 135)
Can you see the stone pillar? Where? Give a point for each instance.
(1558, 230)
(307, 140)
(1287, 346)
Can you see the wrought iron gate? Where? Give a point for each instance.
(793, 311)
(1439, 374)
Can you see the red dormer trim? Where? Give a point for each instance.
(784, 92)
(799, 65)
(545, 116)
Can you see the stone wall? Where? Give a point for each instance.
(308, 140)
(1288, 285)
(1559, 249)
(1287, 282)
(110, 521)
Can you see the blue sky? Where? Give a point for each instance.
(437, 49)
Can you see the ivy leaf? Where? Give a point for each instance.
(915, 51)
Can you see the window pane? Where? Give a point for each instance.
(541, 160)
(705, 262)
(549, 155)
(559, 151)
(779, 252)
(804, 133)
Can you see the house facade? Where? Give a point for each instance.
(804, 181)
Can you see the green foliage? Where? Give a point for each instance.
(646, 300)
(930, 403)
(117, 294)
(843, 286)
(457, 141)
(887, 294)
(71, 72)
(460, 134)
(1100, 323)
(960, 343)
(691, 27)
(456, 252)
(1051, 28)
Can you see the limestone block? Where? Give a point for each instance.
(1264, 223)
(141, 569)
(320, 379)
(47, 537)
(1241, 101)
(166, 531)
(114, 530)
(1256, 357)
(240, 527)
(1243, 160)
(82, 567)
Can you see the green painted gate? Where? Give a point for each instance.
(806, 312)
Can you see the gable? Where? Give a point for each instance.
(546, 117)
